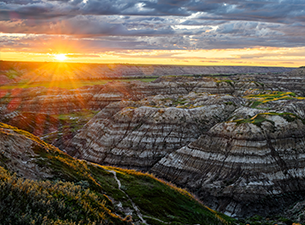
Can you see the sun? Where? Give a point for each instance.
(60, 57)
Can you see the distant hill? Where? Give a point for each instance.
(46, 71)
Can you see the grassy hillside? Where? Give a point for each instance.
(79, 192)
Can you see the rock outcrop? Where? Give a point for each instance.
(62, 101)
(240, 155)
(243, 167)
(289, 81)
(138, 136)
(237, 142)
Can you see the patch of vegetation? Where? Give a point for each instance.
(230, 82)
(69, 124)
(165, 201)
(25, 201)
(179, 101)
(84, 114)
(80, 193)
(262, 117)
(230, 103)
(256, 120)
(269, 96)
(12, 73)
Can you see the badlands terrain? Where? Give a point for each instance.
(232, 136)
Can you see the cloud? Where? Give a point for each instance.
(156, 24)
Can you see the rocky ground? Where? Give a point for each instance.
(237, 142)
(239, 147)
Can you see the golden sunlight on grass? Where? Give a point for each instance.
(60, 57)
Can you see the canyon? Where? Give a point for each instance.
(236, 141)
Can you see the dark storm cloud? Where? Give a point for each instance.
(37, 10)
(167, 7)
(85, 26)
(21, 2)
(162, 24)
(272, 11)
(267, 10)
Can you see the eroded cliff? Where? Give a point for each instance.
(240, 150)
(139, 135)
(237, 141)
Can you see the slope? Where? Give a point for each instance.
(40, 184)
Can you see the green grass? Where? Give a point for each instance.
(256, 120)
(70, 84)
(159, 200)
(47, 202)
(12, 73)
(269, 96)
(84, 114)
(179, 101)
(230, 82)
(262, 117)
(69, 124)
(80, 192)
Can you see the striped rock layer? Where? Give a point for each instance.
(243, 167)
(62, 101)
(293, 80)
(139, 136)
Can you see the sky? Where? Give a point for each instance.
(184, 32)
